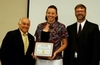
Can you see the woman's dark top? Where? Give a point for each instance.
(45, 36)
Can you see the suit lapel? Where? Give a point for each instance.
(74, 34)
(84, 28)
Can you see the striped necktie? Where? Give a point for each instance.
(25, 43)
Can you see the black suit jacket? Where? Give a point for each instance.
(12, 49)
(87, 44)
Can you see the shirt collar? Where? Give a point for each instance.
(82, 24)
(23, 33)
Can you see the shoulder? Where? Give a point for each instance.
(91, 24)
(11, 35)
(13, 32)
(40, 24)
(72, 25)
(60, 24)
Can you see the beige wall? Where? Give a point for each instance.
(10, 13)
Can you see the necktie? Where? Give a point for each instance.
(25, 42)
(79, 29)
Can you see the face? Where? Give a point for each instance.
(51, 14)
(80, 14)
(24, 25)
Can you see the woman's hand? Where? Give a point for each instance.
(54, 55)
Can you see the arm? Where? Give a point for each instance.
(95, 58)
(63, 46)
(6, 49)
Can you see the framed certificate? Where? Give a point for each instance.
(43, 49)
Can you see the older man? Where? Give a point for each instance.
(18, 45)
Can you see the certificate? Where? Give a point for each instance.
(43, 49)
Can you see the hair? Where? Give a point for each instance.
(80, 6)
(21, 19)
(54, 7)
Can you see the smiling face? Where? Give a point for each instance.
(24, 25)
(80, 12)
(51, 14)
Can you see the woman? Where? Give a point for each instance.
(54, 32)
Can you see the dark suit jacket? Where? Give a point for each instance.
(87, 43)
(99, 47)
(12, 49)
